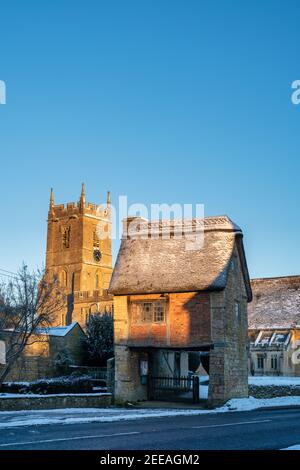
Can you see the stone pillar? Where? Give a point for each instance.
(216, 391)
(228, 368)
(128, 384)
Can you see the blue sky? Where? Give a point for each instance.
(164, 101)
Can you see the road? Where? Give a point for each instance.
(260, 429)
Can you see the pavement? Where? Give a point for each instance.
(259, 429)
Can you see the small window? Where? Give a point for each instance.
(260, 362)
(148, 312)
(274, 362)
(233, 263)
(237, 309)
(159, 312)
(64, 278)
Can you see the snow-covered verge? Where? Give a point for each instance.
(264, 380)
(88, 415)
(297, 447)
(251, 403)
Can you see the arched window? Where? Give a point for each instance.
(64, 278)
(94, 308)
(96, 241)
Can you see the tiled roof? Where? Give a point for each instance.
(275, 304)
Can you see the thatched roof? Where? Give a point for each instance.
(156, 264)
(276, 303)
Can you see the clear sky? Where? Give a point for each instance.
(164, 101)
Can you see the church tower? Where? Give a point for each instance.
(79, 252)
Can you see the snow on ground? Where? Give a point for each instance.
(264, 380)
(297, 447)
(10, 419)
(203, 391)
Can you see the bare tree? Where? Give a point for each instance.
(29, 303)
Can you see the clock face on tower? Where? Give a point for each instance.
(97, 255)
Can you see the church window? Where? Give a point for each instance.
(85, 312)
(66, 237)
(237, 309)
(108, 309)
(97, 281)
(96, 241)
(64, 278)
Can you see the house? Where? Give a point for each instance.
(274, 326)
(170, 301)
(49, 349)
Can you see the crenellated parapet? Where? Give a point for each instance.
(75, 209)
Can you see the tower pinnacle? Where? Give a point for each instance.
(82, 199)
(51, 204)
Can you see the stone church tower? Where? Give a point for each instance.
(80, 256)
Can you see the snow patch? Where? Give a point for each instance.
(297, 447)
(268, 380)
(10, 419)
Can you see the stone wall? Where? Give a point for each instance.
(44, 402)
(128, 386)
(229, 358)
(273, 391)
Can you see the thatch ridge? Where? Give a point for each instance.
(158, 265)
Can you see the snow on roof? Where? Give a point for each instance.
(275, 304)
(56, 330)
(148, 265)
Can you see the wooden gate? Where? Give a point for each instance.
(174, 388)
